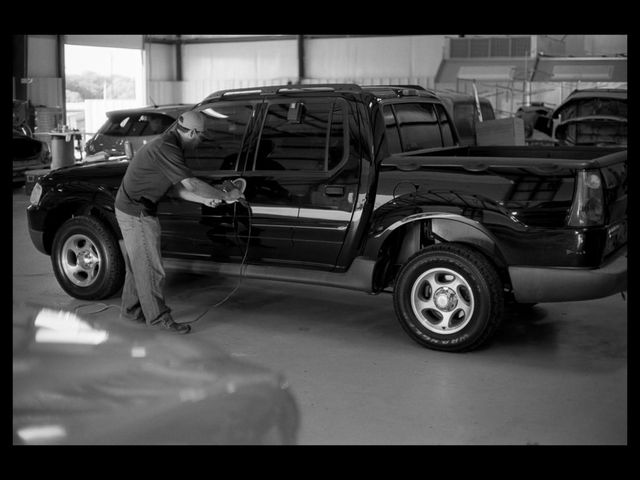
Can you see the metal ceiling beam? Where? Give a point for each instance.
(249, 38)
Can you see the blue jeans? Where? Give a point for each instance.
(142, 294)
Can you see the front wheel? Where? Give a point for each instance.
(449, 297)
(87, 260)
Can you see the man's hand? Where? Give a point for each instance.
(233, 195)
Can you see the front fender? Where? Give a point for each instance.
(64, 202)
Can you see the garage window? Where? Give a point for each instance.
(225, 126)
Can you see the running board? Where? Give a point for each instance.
(358, 277)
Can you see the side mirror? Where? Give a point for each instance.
(128, 150)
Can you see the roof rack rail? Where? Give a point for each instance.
(292, 88)
(403, 90)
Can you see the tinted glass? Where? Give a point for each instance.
(153, 124)
(221, 142)
(393, 137)
(295, 136)
(602, 106)
(487, 112)
(336, 137)
(464, 117)
(445, 127)
(418, 126)
(117, 126)
(137, 125)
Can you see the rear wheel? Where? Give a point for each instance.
(449, 297)
(87, 260)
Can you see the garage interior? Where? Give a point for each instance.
(556, 374)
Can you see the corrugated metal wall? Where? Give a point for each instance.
(364, 60)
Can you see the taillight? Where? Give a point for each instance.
(588, 208)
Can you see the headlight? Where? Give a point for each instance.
(36, 193)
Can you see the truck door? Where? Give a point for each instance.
(192, 229)
(304, 181)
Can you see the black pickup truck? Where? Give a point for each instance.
(365, 188)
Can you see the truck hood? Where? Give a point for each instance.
(107, 173)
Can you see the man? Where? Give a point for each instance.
(158, 167)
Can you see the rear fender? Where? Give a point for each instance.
(398, 242)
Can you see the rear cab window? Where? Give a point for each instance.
(413, 126)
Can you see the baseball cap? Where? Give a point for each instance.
(192, 120)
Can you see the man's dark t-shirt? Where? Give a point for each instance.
(152, 172)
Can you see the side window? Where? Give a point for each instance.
(154, 124)
(393, 137)
(445, 127)
(138, 126)
(117, 126)
(302, 136)
(225, 126)
(418, 126)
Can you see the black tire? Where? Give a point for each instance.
(87, 259)
(449, 297)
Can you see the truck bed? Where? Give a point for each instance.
(477, 157)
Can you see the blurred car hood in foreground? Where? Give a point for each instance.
(90, 382)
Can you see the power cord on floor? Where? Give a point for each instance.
(104, 307)
(242, 263)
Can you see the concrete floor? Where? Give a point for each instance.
(554, 376)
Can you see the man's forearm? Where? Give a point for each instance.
(196, 190)
(180, 191)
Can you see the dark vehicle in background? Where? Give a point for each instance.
(97, 382)
(29, 153)
(136, 126)
(535, 117)
(464, 110)
(592, 117)
(366, 189)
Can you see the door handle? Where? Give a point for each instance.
(334, 190)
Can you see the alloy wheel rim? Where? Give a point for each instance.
(442, 301)
(80, 260)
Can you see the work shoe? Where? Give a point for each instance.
(176, 327)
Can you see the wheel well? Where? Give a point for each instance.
(413, 237)
(65, 211)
